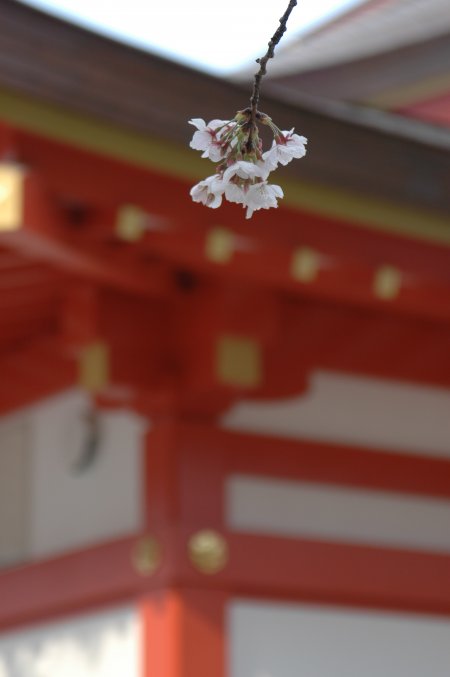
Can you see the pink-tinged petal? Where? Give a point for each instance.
(201, 140)
(198, 122)
(243, 169)
(225, 129)
(277, 190)
(270, 158)
(229, 173)
(214, 152)
(234, 193)
(198, 193)
(296, 144)
(284, 155)
(266, 168)
(214, 200)
(201, 192)
(262, 196)
(215, 124)
(217, 185)
(249, 212)
(299, 139)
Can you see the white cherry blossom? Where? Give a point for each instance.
(242, 166)
(261, 195)
(243, 169)
(209, 191)
(284, 148)
(207, 138)
(235, 193)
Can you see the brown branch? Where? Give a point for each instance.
(273, 42)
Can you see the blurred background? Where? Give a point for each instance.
(224, 444)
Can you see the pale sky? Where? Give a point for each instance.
(216, 35)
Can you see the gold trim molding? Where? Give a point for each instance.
(63, 125)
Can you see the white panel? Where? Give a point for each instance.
(100, 645)
(72, 509)
(14, 489)
(337, 513)
(356, 411)
(280, 640)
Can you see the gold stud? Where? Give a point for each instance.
(94, 367)
(219, 245)
(387, 283)
(11, 197)
(147, 556)
(238, 361)
(305, 264)
(208, 551)
(131, 223)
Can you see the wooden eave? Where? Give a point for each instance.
(51, 62)
(97, 127)
(369, 78)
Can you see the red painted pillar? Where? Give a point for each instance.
(183, 626)
(183, 634)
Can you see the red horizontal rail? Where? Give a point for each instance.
(62, 585)
(269, 567)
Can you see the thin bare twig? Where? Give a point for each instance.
(273, 42)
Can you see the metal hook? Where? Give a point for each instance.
(88, 453)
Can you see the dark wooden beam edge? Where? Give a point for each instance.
(52, 60)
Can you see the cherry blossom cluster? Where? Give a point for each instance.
(242, 167)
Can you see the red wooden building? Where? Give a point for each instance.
(224, 445)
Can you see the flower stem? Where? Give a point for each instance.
(273, 42)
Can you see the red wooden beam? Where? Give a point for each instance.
(346, 278)
(34, 372)
(97, 183)
(92, 179)
(209, 455)
(203, 457)
(264, 567)
(267, 567)
(187, 467)
(73, 582)
(47, 235)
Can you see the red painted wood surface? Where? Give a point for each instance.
(82, 190)
(161, 304)
(209, 455)
(435, 109)
(70, 583)
(184, 633)
(182, 610)
(296, 569)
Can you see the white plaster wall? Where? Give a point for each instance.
(340, 514)
(292, 640)
(59, 507)
(356, 411)
(14, 492)
(104, 644)
(71, 509)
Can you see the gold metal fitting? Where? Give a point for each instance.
(305, 264)
(11, 196)
(93, 367)
(238, 361)
(131, 223)
(387, 283)
(208, 551)
(219, 245)
(147, 556)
